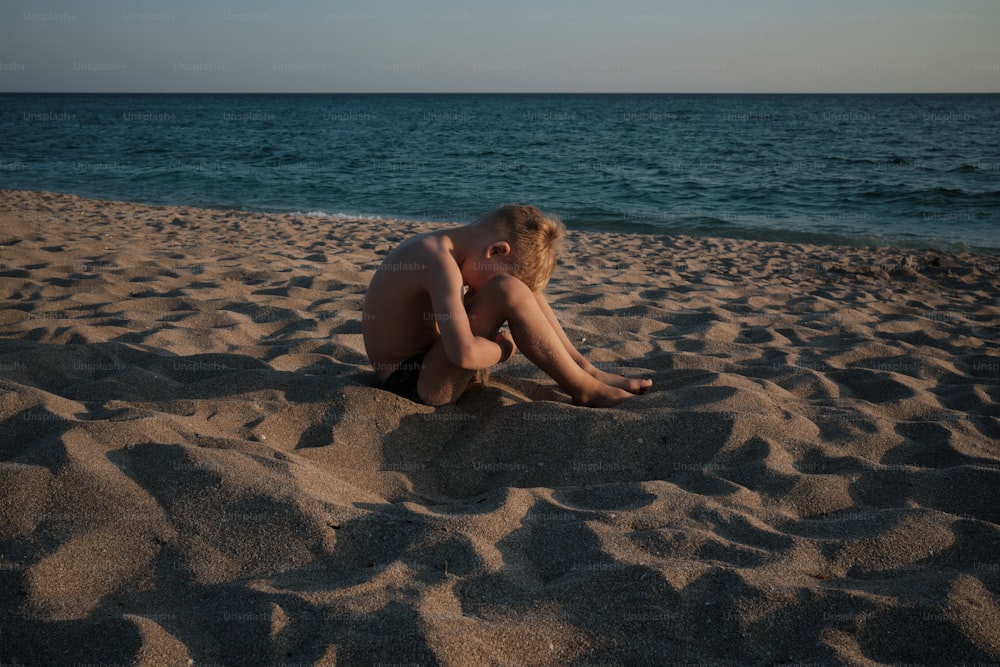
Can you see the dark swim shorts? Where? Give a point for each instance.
(403, 380)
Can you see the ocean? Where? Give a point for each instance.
(918, 171)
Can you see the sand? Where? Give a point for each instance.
(198, 468)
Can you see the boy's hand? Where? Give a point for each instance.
(507, 345)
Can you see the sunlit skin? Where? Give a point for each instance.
(448, 293)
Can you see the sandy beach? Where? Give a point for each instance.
(199, 469)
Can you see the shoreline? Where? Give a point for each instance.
(985, 253)
(197, 463)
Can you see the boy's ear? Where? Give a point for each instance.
(498, 248)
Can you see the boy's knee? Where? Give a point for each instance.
(508, 288)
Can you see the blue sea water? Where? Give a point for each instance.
(903, 170)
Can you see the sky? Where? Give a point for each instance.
(780, 46)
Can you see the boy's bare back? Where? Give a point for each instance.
(398, 319)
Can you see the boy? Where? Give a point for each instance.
(434, 308)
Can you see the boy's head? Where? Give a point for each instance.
(533, 238)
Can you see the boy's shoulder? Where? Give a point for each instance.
(428, 246)
(428, 255)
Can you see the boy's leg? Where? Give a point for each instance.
(507, 299)
(629, 385)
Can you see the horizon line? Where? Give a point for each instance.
(390, 92)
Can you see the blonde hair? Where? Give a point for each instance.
(533, 238)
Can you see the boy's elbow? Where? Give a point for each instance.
(462, 356)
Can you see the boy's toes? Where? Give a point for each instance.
(640, 386)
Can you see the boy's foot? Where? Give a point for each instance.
(601, 396)
(632, 386)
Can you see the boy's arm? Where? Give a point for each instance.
(463, 348)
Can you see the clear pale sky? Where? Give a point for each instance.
(509, 46)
